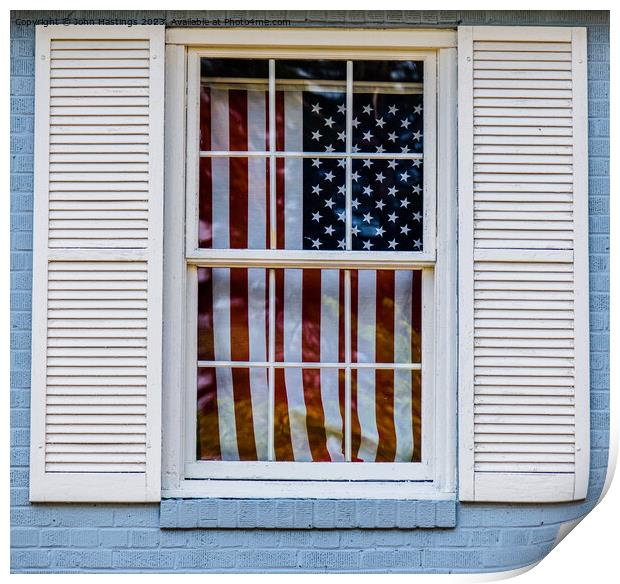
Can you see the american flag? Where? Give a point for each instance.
(233, 311)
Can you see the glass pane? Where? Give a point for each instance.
(309, 415)
(309, 312)
(386, 316)
(234, 203)
(232, 314)
(234, 104)
(386, 415)
(310, 203)
(311, 106)
(387, 205)
(387, 106)
(232, 417)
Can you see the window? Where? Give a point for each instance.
(311, 271)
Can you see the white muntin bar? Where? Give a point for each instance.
(295, 154)
(309, 365)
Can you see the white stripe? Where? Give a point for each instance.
(366, 331)
(293, 171)
(330, 311)
(220, 170)
(293, 376)
(403, 423)
(257, 172)
(257, 120)
(221, 344)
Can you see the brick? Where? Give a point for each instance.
(55, 537)
(24, 537)
(266, 559)
(30, 559)
(144, 538)
(114, 538)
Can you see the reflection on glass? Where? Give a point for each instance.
(232, 415)
(234, 104)
(311, 106)
(309, 415)
(387, 106)
(386, 415)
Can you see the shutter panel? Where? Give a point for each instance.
(97, 273)
(523, 257)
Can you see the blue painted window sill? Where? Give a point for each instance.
(305, 514)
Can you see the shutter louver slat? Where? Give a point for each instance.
(97, 310)
(523, 208)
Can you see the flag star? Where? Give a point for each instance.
(404, 149)
(355, 176)
(405, 229)
(329, 176)
(392, 136)
(329, 203)
(342, 189)
(342, 216)
(342, 162)
(355, 203)
(380, 122)
(392, 191)
(316, 162)
(316, 135)
(367, 163)
(341, 244)
(404, 176)
(367, 218)
(367, 136)
(329, 148)
(405, 123)
(392, 244)
(355, 230)
(417, 109)
(379, 204)
(380, 231)
(417, 163)
(367, 244)
(417, 135)
(329, 230)
(404, 203)
(342, 136)
(368, 108)
(417, 216)
(316, 189)
(355, 148)
(392, 217)
(316, 243)
(341, 108)
(392, 164)
(380, 149)
(355, 122)
(316, 108)
(368, 191)
(417, 243)
(379, 177)
(317, 217)
(393, 109)
(329, 121)
(416, 190)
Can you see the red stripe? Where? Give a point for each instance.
(416, 384)
(238, 190)
(416, 353)
(341, 358)
(384, 378)
(280, 171)
(205, 204)
(311, 352)
(356, 431)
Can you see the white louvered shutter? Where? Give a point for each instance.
(97, 273)
(523, 265)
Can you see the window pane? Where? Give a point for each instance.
(232, 314)
(386, 316)
(387, 205)
(309, 316)
(234, 203)
(310, 203)
(232, 418)
(309, 415)
(234, 104)
(311, 106)
(386, 415)
(387, 106)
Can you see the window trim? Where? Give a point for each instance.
(175, 482)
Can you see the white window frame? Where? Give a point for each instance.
(435, 476)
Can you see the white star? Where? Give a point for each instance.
(329, 203)
(405, 123)
(355, 148)
(416, 190)
(316, 243)
(367, 218)
(355, 203)
(316, 108)
(379, 177)
(368, 191)
(393, 109)
(405, 229)
(380, 122)
(355, 230)
(342, 136)
(404, 203)
(404, 176)
(355, 122)
(329, 176)
(417, 135)
(341, 108)
(392, 136)
(392, 164)
(417, 109)
(329, 230)
(316, 162)
(392, 244)
(379, 204)
(316, 189)
(367, 109)
(392, 191)
(404, 149)
(380, 231)
(367, 163)
(342, 162)
(367, 244)
(341, 244)
(392, 217)
(329, 148)
(342, 216)
(355, 176)
(380, 149)
(367, 136)
(417, 163)
(417, 216)
(342, 189)
(316, 135)
(417, 243)
(317, 217)
(329, 121)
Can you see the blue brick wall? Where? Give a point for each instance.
(128, 538)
